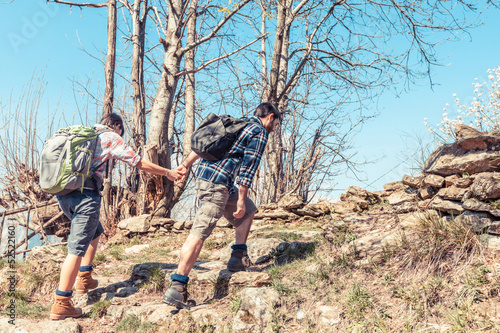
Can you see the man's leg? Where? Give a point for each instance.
(189, 254)
(85, 281)
(239, 257)
(242, 231)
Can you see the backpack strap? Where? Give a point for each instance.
(95, 183)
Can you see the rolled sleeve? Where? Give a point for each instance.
(251, 158)
(123, 152)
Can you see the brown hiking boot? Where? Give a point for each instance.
(63, 308)
(85, 282)
(177, 295)
(239, 261)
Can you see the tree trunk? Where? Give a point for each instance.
(190, 97)
(162, 105)
(109, 70)
(139, 110)
(277, 82)
(109, 77)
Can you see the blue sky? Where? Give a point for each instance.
(40, 36)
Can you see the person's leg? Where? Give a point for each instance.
(90, 254)
(213, 198)
(83, 210)
(189, 254)
(239, 258)
(85, 281)
(242, 231)
(69, 271)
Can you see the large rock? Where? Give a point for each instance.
(139, 223)
(463, 131)
(313, 210)
(452, 159)
(291, 201)
(360, 195)
(401, 196)
(433, 180)
(461, 182)
(163, 221)
(276, 214)
(343, 207)
(26, 326)
(452, 193)
(256, 312)
(446, 206)
(394, 186)
(478, 221)
(46, 254)
(486, 186)
(478, 206)
(411, 181)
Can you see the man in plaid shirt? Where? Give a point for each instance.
(83, 207)
(216, 192)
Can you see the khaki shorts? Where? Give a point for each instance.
(215, 201)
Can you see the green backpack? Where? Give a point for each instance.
(66, 158)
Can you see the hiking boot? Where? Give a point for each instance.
(177, 295)
(238, 261)
(63, 308)
(85, 282)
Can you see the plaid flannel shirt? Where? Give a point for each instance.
(243, 159)
(111, 145)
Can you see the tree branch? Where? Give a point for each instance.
(221, 57)
(216, 29)
(85, 4)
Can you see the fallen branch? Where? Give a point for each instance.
(46, 224)
(24, 251)
(22, 209)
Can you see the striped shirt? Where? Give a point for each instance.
(243, 159)
(111, 145)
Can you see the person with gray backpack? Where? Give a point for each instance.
(230, 154)
(72, 166)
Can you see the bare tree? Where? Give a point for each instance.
(328, 61)
(162, 106)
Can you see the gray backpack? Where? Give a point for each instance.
(66, 159)
(214, 137)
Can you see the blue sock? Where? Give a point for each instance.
(88, 268)
(242, 247)
(64, 293)
(179, 278)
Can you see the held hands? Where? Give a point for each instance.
(240, 209)
(182, 170)
(176, 174)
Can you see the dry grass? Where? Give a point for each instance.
(436, 245)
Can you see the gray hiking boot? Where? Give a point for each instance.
(238, 261)
(176, 295)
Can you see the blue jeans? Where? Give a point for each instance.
(83, 211)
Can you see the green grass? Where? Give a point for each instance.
(31, 310)
(99, 309)
(132, 323)
(358, 301)
(156, 280)
(235, 304)
(116, 252)
(216, 244)
(35, 282)
(286, 236)
(99, 259)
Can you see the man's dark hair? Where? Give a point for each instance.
(264, 109)
(111, 120)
